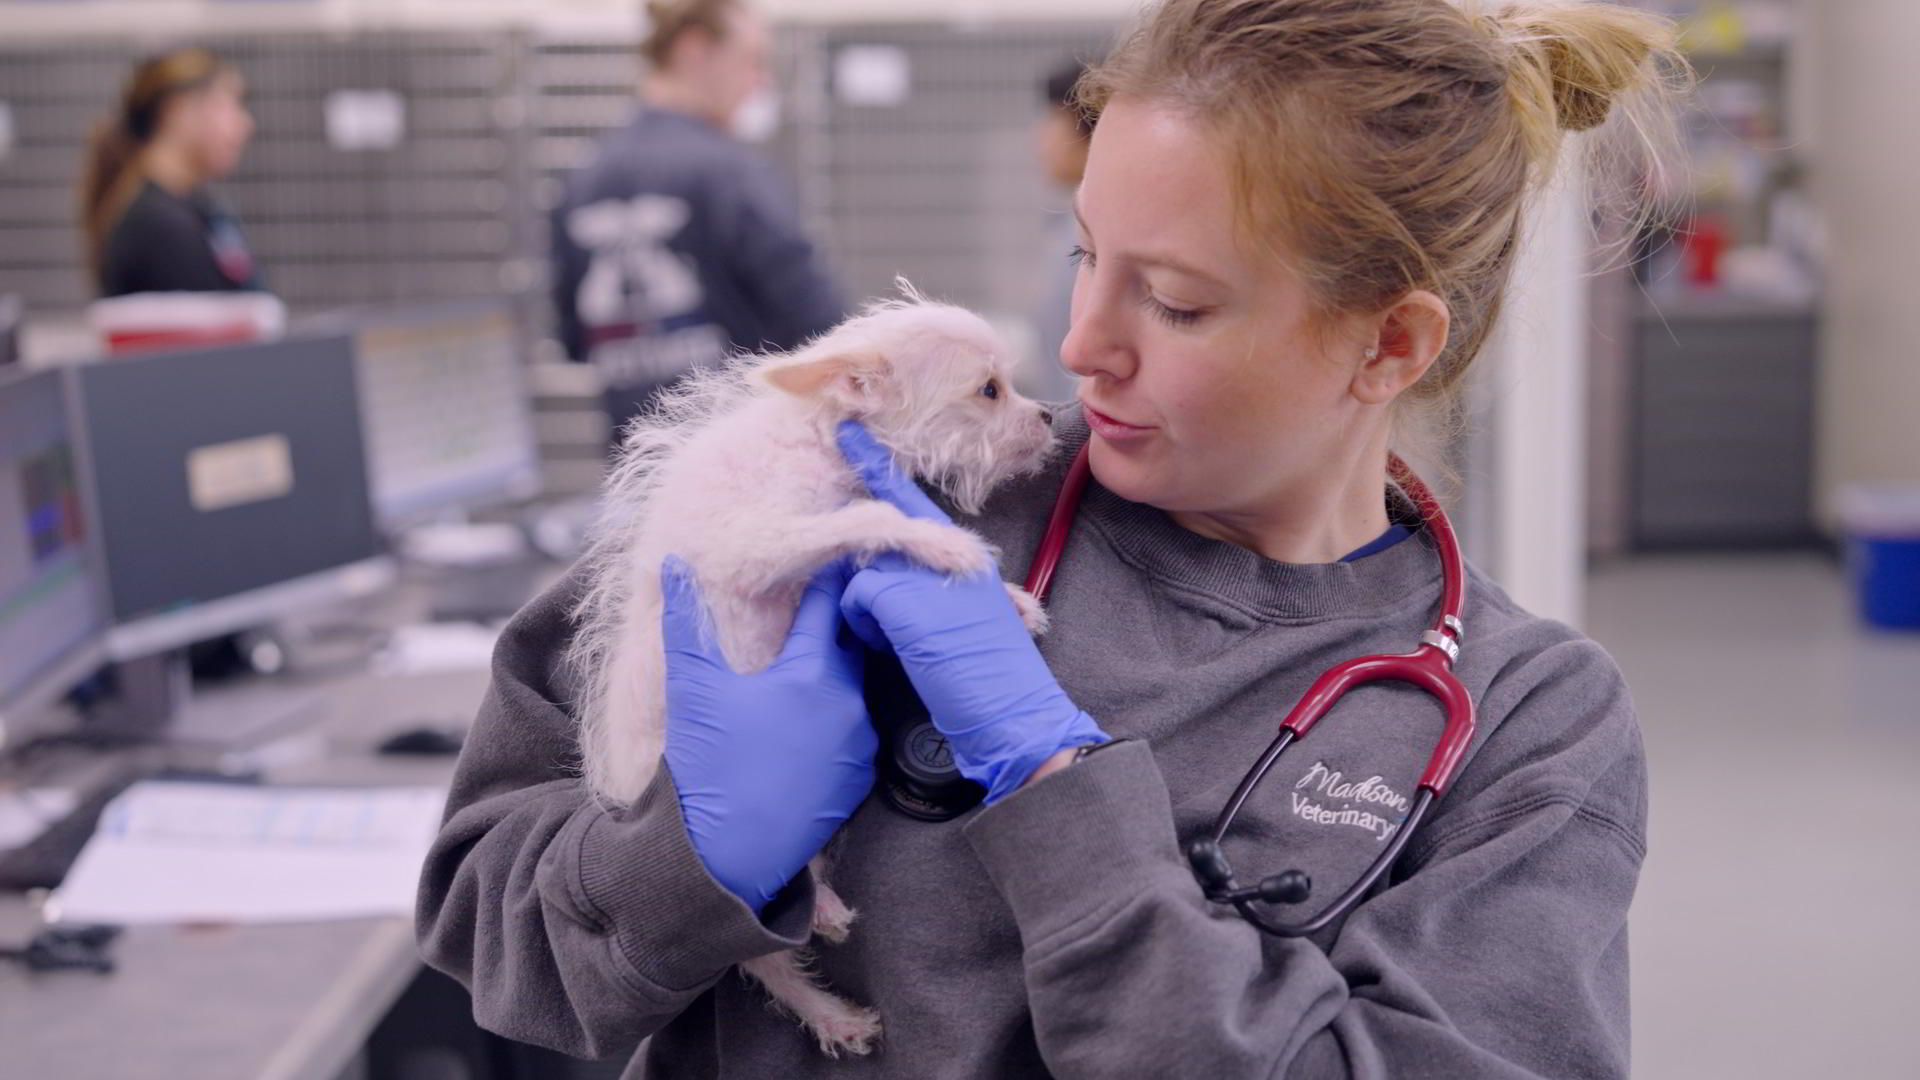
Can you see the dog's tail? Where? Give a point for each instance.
(623, 735)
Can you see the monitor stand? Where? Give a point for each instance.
(154, 700)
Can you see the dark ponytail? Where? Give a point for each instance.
(112, 175)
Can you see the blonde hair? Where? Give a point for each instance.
(1387, 146)
(668, 20)
(113, 176)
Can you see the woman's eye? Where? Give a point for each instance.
(1172, 316)
(991, 391)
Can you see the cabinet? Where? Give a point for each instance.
(1722, 444)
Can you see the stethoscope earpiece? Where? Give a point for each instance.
(1215, 874)
(1286, 887)
(1210, 865)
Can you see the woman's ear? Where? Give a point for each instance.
(1410, 336)
(848, 379)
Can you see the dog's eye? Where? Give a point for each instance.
(991, 391)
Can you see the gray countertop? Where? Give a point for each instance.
(226, 1003)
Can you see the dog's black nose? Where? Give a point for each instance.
(1046, 416)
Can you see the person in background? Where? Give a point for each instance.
(1061, 138)
(677, 244)
(149, 222)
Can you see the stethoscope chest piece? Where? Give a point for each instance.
(917, 775)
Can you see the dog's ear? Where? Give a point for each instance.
(848, 378)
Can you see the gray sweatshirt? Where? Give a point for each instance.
(1059, 932)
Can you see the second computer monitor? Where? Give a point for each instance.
(52, 611)
(230, 487)
(448, 411)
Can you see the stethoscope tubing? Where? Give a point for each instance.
(1428, 667)
(1053, 542)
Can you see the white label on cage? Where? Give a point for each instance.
(6, 129)
(875, 75)
(240, 472)
(366, 119)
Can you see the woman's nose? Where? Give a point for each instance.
(1090, 351)
(1092, 347)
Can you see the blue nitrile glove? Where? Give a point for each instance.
(962, 644)
(767, 765)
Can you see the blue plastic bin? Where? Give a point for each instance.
(1883, 548)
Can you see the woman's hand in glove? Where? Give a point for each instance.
(767, 765)
(962, 644)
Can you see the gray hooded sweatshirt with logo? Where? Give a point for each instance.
(1060, 932)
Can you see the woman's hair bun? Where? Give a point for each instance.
(1583, 93)
(1589, 55)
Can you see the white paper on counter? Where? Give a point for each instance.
(169, 852)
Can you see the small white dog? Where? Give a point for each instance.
(738, 473)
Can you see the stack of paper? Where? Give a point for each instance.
(181, 852)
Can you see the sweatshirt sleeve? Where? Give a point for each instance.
(577, 927)
(567, 269)
(1498, 950)
(779, 272)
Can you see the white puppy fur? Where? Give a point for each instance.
(738, 473)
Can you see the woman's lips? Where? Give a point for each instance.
(1111, 429)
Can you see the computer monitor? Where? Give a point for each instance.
(229, 486)
(52, 609)
(448, 410)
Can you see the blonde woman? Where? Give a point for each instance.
(1298, 219)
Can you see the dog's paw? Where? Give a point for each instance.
(1031, 612)
(832, 918)
(946, 548)
(848, 1029)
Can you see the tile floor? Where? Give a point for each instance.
(1777, 929)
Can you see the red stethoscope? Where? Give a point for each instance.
(1429, 667)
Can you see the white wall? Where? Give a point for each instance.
(1864, 176)
(1529, 473)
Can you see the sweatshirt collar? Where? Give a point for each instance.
(1150, 540)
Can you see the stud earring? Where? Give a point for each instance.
(1371, 353)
